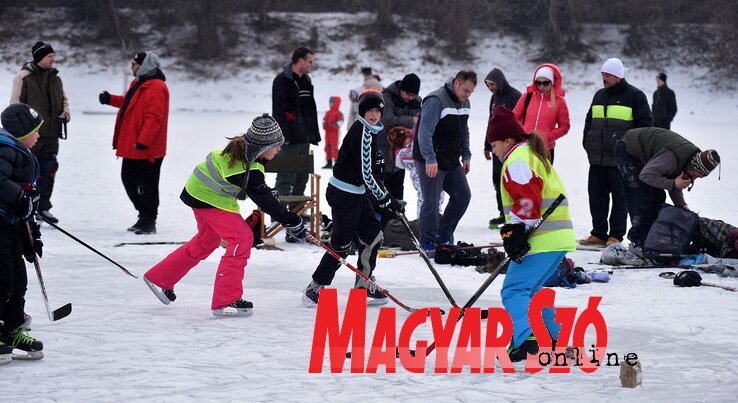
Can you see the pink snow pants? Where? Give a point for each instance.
(213, 224)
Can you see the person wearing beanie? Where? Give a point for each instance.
(502, 94)
(443, 158)
(294, 108)
(332, 122)
(664, 104)
(543, 107)
(212, 191)
(529, 182)
(38, 84)
(401, 109)
(140, 136)
(615, 109)
(651, 160)
(353, 193)
(19, 199)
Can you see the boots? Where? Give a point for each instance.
(328, 164)
(374, 297)
(5, 353)
(147, 226)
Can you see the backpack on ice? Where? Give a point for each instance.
(671, 233)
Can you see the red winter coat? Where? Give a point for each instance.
(144, 121)
(551, 122)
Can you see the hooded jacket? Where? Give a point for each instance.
(506, 96)
(143, 114)
(293, 106)
(551, 121)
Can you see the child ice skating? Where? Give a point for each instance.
(211, 191)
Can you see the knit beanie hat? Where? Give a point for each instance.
(41, 50)
(410, 83)
(545, 72)
(264, 134)
(662, 76)
(139, 57)
(613, 66)
(370, 99)
(704, 162)
(21, 120)
(504, 125)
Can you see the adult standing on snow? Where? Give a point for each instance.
(529, 187)
(664, 103)
(442, 157)
(502, 94)
(543, 107)
(18, 201)
(401, 108)
(140, 136)
(293, 106)
(38, 84)
(651, 160)
(615, 109)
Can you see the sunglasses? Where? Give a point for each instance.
(543, 83)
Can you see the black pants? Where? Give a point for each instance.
(45, 182)
(605, 182)
(13, 278)
(643, 200)
(352, 215)
(141, 181)
(496, 176)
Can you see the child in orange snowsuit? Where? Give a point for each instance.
(332, 122)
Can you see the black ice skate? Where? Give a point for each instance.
(529, 346)
(166, 296)
(19, 339)
(239, 307)
(310, 296)
(374, 297)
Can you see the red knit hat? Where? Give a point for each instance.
(503, 125)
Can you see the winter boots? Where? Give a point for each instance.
(328, 164)
(239, 307)
(20, 340)
(592, 241)
(48, 216)
(310, 296)
(144, 226)
(374, 297)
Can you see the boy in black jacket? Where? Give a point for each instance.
(351, 204)
(18, 201)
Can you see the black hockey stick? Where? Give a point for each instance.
(425, 257)
(499, 268)
(115, 245)
(351, 267)
(86, 245)
(56, 314)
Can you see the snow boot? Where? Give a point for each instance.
(6, 352)
(311, 294)
(374, 297)
(240, 307)
(138, 224)
(328, 165)
(166, 296)
(48, 216)
(529, 346)
(496, 223)
(147, 227)
(592, 241)
(20, 340)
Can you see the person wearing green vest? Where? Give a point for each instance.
(529, 185)
(651, 160)
(212, 191)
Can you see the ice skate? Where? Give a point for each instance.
(238, 307)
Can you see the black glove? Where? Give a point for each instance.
(514, 240)
(140, 146)
(297, 231)
(31, 251)
(688, 278)
(391, 205)
(27, 203)
(104, 98)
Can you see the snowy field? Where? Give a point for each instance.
(121, 344)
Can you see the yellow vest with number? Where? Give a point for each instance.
(208, 183)
(557, 232)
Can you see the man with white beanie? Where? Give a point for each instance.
(615, 109)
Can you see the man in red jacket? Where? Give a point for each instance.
(140, 137)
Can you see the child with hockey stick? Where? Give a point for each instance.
(332, 122)
(351, 192)
(212, 191)
(18, 201)
(529, 185)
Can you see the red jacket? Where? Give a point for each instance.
(551, 122)
(144, 121)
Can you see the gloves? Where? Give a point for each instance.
(140, 146)
(31, 251)
(514, 240)
(104, 98)
(297, 231)
(688, 278)
(27, 203)
(391, 205)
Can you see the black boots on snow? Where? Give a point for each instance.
(144, 226)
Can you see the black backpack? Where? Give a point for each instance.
(671, 234)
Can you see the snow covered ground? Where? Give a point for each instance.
(121, 344)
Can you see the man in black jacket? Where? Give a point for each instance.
(293, 106)
(507, 96)
(664, 103)
(615, 109)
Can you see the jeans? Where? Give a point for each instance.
(453, 182)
